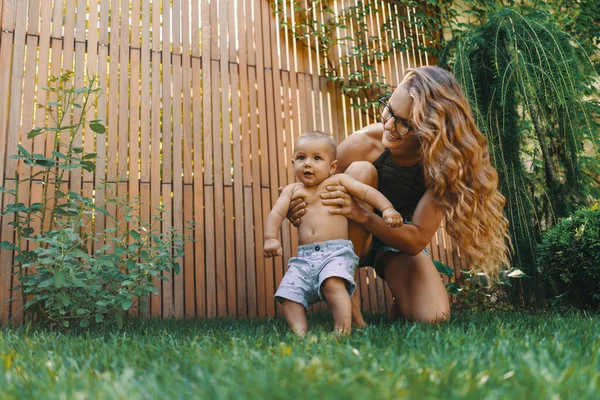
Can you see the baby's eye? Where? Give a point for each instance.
(300, 158)
(318, 158)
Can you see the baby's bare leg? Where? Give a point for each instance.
(295, 316)
(334, 290)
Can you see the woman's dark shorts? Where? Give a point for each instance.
(377, 249)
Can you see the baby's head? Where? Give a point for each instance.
(314, 158)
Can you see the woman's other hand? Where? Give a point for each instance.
(296, 211)
(344, 204)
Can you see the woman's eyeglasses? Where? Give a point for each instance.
(402, 125)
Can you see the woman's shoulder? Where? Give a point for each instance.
(363, 145)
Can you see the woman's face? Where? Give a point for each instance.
(400, 105)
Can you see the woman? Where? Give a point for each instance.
(430, 160)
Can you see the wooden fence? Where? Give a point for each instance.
(202, 100)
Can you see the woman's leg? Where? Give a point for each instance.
(417, 287)
(364, 172)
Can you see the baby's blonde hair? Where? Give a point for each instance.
(318, 135)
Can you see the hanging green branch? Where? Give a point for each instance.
(317, 26)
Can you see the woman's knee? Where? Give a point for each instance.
(363, 171)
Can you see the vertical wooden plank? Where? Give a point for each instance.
(209, 237)
(146, 301)
(363, 286)
(124, 84)
(142, 178)
(291, 240)
(42, 76)
(224, 86)
(6, 258)
(263, 61)
(269, 273)
(178, 293)
(197, 138)
(177, 24)
(251, 289)
(9, 10)
(238, 195)
(147, 101)
(133, 182)
(91, 50)
(155, 168)
(219, 227)
(167, 224)
(80, 72)
(246, 265)
(167, 132)
(16, 90)
(209, 228)
(256, 195)
(188, 272)
(10, 165)
(113, 95)
(226, 135)
(372, 285)
(230, 267)
(186, 77)
(100, 223)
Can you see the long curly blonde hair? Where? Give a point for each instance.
(457, 166)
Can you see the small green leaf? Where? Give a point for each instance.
(134, 235)
(119, 319)
(34, 132)
(126, 304)
(23, 151)
(98, 128)
(84, 322)
(443, 268)
(59, 155)
(59, 279)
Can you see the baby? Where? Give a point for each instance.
(324, 268)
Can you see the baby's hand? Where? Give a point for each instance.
(272, 248)
(392, 218)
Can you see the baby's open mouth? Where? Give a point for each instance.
(307, 173)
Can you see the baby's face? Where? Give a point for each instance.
(313, 161)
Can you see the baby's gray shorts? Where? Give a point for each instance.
(315, 263)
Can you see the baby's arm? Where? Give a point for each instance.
(272, 246)
(372, 197)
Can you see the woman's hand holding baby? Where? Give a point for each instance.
(346, 204)
(296, 210)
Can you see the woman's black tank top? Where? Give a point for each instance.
(403, 186)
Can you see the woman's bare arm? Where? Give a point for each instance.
(410, 238)
(369, 195)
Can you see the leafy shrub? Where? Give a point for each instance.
(569, 258)
(61, 279)
(474, 291)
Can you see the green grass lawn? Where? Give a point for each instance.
(494, 355)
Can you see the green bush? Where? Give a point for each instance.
(62, 281)
(569, 258)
